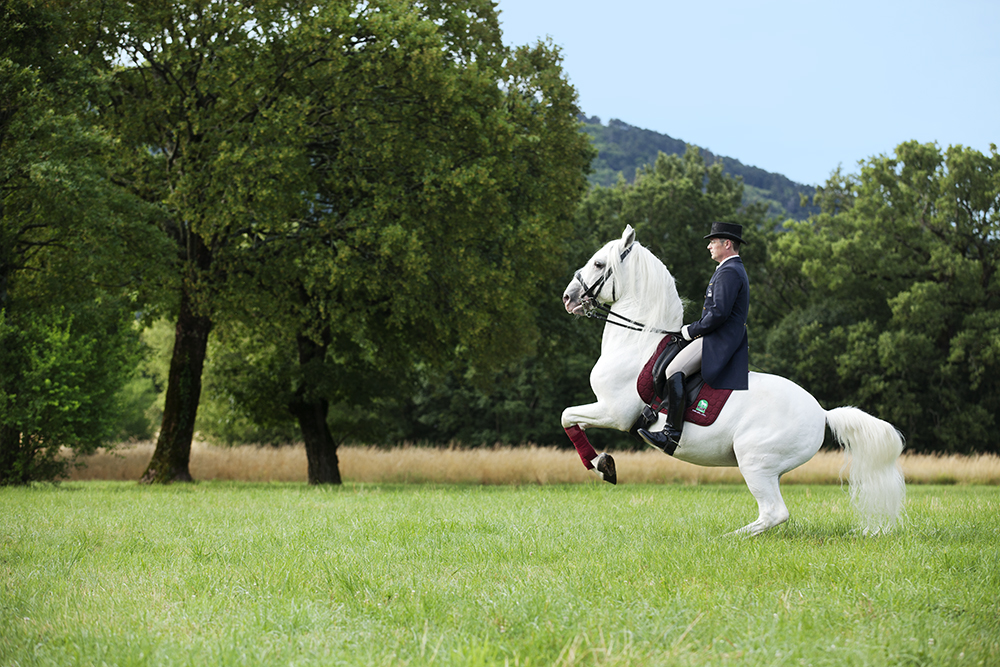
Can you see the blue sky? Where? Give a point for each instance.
(796, 88)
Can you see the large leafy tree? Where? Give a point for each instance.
(67, 232)
(447, 168)
(201, 96)
(893, 294)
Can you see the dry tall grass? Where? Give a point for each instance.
(502, 465)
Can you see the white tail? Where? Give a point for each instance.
(876, 481)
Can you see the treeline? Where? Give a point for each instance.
(623, 149)
(279, 221)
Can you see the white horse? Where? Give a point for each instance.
(767, 430)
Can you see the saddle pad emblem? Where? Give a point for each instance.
(707, 406)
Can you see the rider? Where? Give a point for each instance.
(718, 340)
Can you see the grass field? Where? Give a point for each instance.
(228, 573)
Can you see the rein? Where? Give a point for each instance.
(606, 314)
(591, 305)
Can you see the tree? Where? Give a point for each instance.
(340, 168)
(199, 97)
(60, 374)
(896, 307)
(447, 168)
(67, 286)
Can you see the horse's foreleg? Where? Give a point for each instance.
(602, 464)
(583, 447)
(592, 415)
(574, 420)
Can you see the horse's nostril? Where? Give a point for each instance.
(565, 298)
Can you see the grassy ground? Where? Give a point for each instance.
(279, 574)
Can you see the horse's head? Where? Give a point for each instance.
(593, 282)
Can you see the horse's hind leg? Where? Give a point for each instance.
(770, 505)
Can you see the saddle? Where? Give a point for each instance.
(704, 401)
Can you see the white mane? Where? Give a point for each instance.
(643, 284)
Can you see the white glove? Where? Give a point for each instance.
(684, 332)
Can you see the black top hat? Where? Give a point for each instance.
(726, 230)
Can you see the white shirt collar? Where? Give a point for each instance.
(726, 260)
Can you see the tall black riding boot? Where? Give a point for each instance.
(670, 436)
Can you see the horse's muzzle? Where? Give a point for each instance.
(572, 302)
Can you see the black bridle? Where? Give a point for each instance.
(591, 305)
(591, 292)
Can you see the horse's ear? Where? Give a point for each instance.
(628, 236)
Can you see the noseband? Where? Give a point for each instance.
(591, 305)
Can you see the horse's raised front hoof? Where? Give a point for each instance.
(606, 466)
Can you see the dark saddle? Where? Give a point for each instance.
(704, 401)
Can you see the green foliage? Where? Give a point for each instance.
(894, 305)
(134, 412)
(60, 377)
(445, 172)
(520, 404)
(247, 390)
(280, 574)
(68, 234)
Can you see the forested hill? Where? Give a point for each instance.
(623, 148)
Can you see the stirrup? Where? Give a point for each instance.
(661, 440)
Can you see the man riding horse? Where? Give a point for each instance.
(718, 341)
(771, 427)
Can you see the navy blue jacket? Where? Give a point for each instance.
(725, 357)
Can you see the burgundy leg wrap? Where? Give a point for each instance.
(583, 446)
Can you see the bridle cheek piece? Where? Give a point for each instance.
(590, 293)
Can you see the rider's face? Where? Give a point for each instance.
(719, 249)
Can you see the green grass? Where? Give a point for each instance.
(96, 573)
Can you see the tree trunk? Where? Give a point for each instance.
(311, 412)
(11, 465)
(173, 447)
(321, 449)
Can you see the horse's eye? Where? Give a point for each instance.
(599, 266)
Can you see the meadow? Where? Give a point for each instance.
(281, 573)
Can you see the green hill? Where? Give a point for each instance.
(623, 148)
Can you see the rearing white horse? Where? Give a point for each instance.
(767, 430)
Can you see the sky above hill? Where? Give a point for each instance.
(792, 87)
